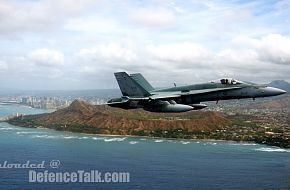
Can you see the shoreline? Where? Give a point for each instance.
(150, 137)
(81, 117)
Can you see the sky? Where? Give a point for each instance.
(79, 44)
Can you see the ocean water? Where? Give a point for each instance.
(152, 163)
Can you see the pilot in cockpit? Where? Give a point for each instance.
(224, 81)
(228, 81)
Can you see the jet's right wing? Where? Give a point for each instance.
(204, 91)
(173, 95)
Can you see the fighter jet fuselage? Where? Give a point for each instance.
(138, 93)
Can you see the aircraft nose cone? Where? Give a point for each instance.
(271, 91)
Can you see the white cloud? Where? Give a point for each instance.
(153, 17)
(242, 57)
(275, 48)
(176, 8)
(3, 66)
(47, 57)
(243, 41)
(108, 53)
(181, 52)
(35, 16)
(181, 40)
(91, 24)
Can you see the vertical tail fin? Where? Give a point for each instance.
(138, 77)
(130, 87)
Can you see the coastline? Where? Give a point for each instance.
(157, 138)
(81, 117)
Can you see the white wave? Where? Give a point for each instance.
(272, 150)
(8, 129)
(114, 139)
(83, 137)
(158, 141)
(98, 138)
(143, 139)
(197, 142)
(210, 143)
(28, 132)
(133, 142)
(44, 136)
(185, 142)
(69, 137)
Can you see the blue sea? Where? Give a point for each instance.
(151, 163)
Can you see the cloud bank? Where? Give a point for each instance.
(80, 44)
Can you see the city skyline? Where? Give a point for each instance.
(80, 44)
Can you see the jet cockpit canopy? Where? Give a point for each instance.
(229, 81)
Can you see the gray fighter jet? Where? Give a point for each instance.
(138, 93)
